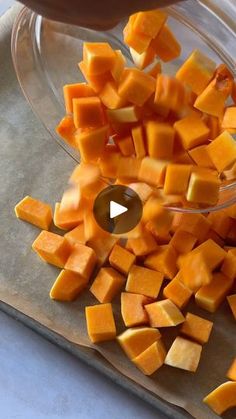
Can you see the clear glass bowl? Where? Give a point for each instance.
(46, 53)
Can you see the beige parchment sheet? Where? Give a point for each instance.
(31, 163)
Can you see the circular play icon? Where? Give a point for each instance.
(117, 209)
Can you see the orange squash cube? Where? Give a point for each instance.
(118, 66)
(109, 160)
(177, 178)
(144, 281)
(212, 99)
(160, 140)
(143, 60)
(76, 235)
(196, 328)
(91, 143)
(203, 188)
(197, 71)
(196, 224)
(73, 91)
(166, 45)
(110, 98)
(100, 322)
(107, 285)
(143, 245)
(67, 219)
(170, 94)
(136, 340)
(67, 130)
(138, 41)
(52, 248)
(213, 123)
(34, 212)
(82, 260)
(102, 246)
(222, 398)
(155, 70)
(98, 57)
(87, 112)
(232, 303)
(152, 171)
(71, 199)
(229, 119)
(136, 87)
(96, 82)
(177, 292)
(200, 156)
(138, 140)
(213, 254)
(156, 214)
(163, 260)
(231, 373)
(184, 354)
(149, 23)
(222, 151)
(121, 259)
(126, 115)
(183, 241)
(92, 230)
(128, 168)
(143, 190)
(132, 309)
(221, 223)
(211, 296)
(192, 131)
(67, 286)
(151, 359)
(164, 314)
(125, 145)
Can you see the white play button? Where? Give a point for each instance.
(116, 209)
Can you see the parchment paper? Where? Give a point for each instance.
(31, 163)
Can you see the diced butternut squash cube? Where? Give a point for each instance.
(91, 143)
(67, 130)
(67, 286)
(143, 60)
(197, 71)
(212, 99)
(160, 140)
(177, 178)
(67, 219)
(166, 45)
(231, 373)
(76, 235)
(155, 70)
(192, 131)
(100, 322)
(98, 81)
(71, 199)
(152, 358)
(102, 246)
(195, 272)
(118, 66)
(164, 314)
(82, 260)
(132, 309)
(109, 160)
(213, 123)
(107, 284)
(211, 296)
(92, 230)
(196, 328)
(183, 241)
(143, 190)
(87, 112)
(149, 23)
(196, 224)
(98, 57)
(229, 119)
(136, 340)
(128, 168)
(184, 354)
(144, 281)
(73, 91)
(177, 292)
(34, 212)
(164, 261)
(125, 115)
(85, 175)
(138, 41)
(213, 254)
(143, 245)
(220, 223)
(159, 216)
(201, 157)
(52, 248)
(170, 95)
(203, 188)
(121, 259)
(138, 140)
(232, 303)
(222, 398)
(215, 237)
(152, 171)
(125, 145)
(110, 97)
(136, 87)
(222, 151)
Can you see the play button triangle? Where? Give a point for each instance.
(116, 209)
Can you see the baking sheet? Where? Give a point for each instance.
(32, 164)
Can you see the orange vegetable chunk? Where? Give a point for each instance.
(192, 131)
(231, 373)
(177, 292)
(126, 115)
(211, 296)
(177, 178)
(166, 45)
(136, 86)
(125, 145)
(197, 71)
(213, 254)
(152, 171)
(155, 70)
(76, 235)
(67, 219)
(91, 143)
(100, 322)
(200, 156)
(163, 260)
(151, 359)
(132, 309)
(138, 41)
(222, 398)
(170, 94)
(136, 340)
(212, 99)
(221, 223)
(160, 140)
(52, 248)
(82, 260)
(196, 328)
(102, 246)
(203, 188)
(144, 281)
(110, 97)
(183, 241)
(232, 303)
(149, 23)
(107, 284)
(142, 189)
(118, 66)
(184, 354)
(73, 91)
(34, 212)
(98, 57)
(159, 217)
(229, 119)
(109, 160)
(144, 245)
(196, 224)
(222, 151)
(164, 314)
(98, 81)
(121, 259)
(138, 140)
(128, 168)
(67, 130)
(67, 286)
(87, 112)
(195, 272)
(143, 60)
